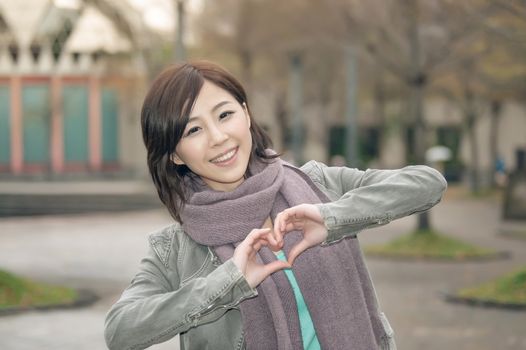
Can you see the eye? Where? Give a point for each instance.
(192, 130)
(225, 114)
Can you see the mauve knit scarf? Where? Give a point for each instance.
(330, 277)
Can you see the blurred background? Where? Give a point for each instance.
(368, 84)
(396, 76)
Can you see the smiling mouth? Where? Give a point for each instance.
(225, 156)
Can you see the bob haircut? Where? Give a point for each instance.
(165, 113)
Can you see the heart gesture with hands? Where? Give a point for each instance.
(305, 218)
(245, 257)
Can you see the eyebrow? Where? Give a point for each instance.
(216, 107)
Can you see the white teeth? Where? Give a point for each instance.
(224, 157)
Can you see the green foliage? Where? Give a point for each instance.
(19, 292)
(429, 245)
(508, 289)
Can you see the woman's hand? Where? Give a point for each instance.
(304, 217)
(245, 257)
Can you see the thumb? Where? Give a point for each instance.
(276, 266)
(297, 250)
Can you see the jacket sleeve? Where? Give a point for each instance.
(154, 307)
(364, 199)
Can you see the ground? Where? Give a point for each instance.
(101, 252)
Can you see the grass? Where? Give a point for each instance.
(429, 245)
(18, 292)
(509, 289)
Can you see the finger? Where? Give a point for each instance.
(272, 238)
(273, 244)
(284, 218)
(293, 226)
(256, 234)
(275, 249)
(283, 222)
(292, 215)
(248, 243)
(305, 211)
(297, 250)
(274, 266)
(277, 237)
(277, 225)
(257, 245)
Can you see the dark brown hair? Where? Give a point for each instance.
(164, 116)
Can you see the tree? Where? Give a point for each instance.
(256, 38)
(490, 71)
(415, 41)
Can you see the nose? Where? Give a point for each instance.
(217, 135)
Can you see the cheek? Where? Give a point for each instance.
(187, 151)
(243, 130)
(249, 136)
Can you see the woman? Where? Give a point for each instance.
(262, 255)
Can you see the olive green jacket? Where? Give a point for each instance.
(182, 287)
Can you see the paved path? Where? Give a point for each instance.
(96, 251)
(410, 292)
(101, 252)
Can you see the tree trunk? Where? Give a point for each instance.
(379, 109)
(280, 109)
(417, 83)
(324, 90)
(180, 50)
(424, 222)
(245, 57)
(496, 108)
(296, 102)
(474, 164)
(417, 97)
(243, 42)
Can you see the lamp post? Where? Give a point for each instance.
(296, 101)
(180, 50)
(351, 109)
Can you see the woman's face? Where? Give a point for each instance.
(216, 142)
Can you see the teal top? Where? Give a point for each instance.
(308, 333)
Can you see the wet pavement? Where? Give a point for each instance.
(101, 252)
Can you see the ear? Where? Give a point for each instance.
(245, 108)
(175, 158)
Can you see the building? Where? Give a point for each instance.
(71, 81)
